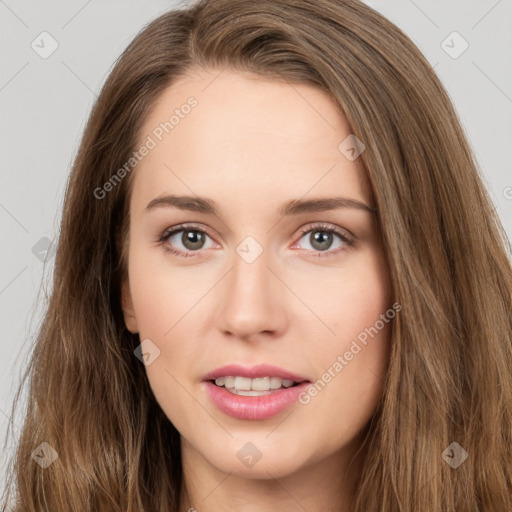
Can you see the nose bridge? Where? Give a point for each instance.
(251, 301)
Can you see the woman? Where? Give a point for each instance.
(280, 283)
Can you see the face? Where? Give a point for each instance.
(253, 270)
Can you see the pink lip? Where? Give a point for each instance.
(253, 372)
(254, 407)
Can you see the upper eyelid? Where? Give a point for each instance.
(185, 227)
(327, 226)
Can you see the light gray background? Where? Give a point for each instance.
(45, 104)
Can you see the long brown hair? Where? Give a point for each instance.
(450, 374)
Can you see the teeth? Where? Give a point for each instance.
(275, 383)
(258, 384)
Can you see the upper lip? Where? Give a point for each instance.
(253, 372)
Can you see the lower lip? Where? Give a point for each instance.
(254, 407)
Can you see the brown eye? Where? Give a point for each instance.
(328, 239)
(192, 239)
(184, 241)
(321, 240)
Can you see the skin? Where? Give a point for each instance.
(251, 145)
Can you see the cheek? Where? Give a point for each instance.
(346, 300)
(169, 318)
(167, 306)
(162, 317)
(351, 345)
(161, 295)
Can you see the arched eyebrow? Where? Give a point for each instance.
(294, 207)
(323, 204)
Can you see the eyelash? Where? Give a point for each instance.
(347, 239)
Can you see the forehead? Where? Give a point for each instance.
(239, 133)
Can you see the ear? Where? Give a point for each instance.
(127, 306)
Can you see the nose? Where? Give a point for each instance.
(252, 301)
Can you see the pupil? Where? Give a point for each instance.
(321, 240)
(192, 239)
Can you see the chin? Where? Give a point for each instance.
(246, 462)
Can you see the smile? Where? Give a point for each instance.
(253, 393)
(261, 386)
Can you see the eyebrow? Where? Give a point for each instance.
(294, 207)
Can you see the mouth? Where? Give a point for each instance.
(253, 393)
(260, 386)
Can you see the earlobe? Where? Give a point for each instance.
(127, 306)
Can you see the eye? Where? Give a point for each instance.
(321, 239)
(185, 240)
